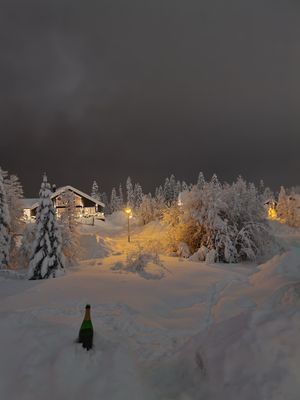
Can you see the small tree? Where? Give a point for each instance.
(47, 259)
(5, 237)
(121, 198)
(95, 191)
(130, 193)
(282, 207)
(138, 196)
(146, 211)
(104, 199)
(200, 181)
(168, 193)
(114, 201)
(14, 193)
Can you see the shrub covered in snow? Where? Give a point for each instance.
(229, 219)
(147, 265)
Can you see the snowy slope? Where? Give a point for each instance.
(200, 332)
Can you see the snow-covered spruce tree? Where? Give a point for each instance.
(173, 189)
(184, 186)
(95, 191)
(114, 201)
(200, 181)
(178, 190)
(69, 229)
(159, 202)
(104, 199)
(168, 193)
(5, 237)
(14, 193)
(282, 207)
(138, 195)
(121, 197)
(130, 193)
(47, 259)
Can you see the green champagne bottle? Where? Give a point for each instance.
(86, 331)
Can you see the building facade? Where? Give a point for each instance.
(85, 205)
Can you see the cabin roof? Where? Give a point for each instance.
(28, 203)
(61, 190)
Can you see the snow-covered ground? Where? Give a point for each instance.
(177, 329)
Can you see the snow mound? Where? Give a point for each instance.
(241, 358)
(285, 265)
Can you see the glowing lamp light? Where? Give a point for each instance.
(129, 215)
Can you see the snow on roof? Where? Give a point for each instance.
(28, 203)
(63, 189)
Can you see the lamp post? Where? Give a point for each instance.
(128, 212)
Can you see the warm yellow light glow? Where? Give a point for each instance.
(128, 211)
(272, 213)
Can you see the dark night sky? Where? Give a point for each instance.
(105, 89)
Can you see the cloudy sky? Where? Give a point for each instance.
(103, 89)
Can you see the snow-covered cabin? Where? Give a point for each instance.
(86, 206)
(271, 209)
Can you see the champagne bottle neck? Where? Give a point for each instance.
(87, 316)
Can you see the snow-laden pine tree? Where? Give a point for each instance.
(114, 201)
(200, 181)
(130, 193)
(173, 188)
(104, 199)
(121, 197)
(159, 202)
(138, 195)
(5, 237)
(14, 192)
(168, 192)
(184, 187)
(95, 191)
(47, 259)
(70, 234)
(282, 207)
(178, 190)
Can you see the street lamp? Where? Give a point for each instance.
(128, 212)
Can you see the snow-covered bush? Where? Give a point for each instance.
(137, 260)
(147, 265)
(229, 219)
(47, 259)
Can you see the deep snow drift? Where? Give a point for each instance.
(195, 331)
